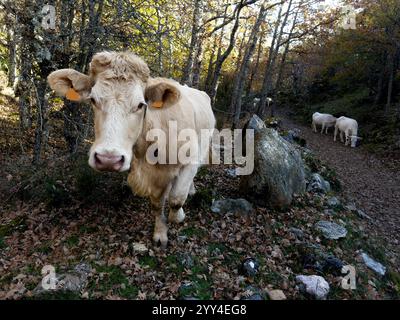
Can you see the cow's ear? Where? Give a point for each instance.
(162, 95)
(71, 84)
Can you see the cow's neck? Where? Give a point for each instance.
(142, 144)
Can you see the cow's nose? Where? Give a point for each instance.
(108, 161)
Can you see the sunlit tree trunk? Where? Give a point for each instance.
(240, 79)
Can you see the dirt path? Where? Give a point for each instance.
(373, 184)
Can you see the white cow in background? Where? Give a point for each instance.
(349, 128)
(324, 120)
(256, 101)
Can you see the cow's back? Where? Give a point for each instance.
(200, 103)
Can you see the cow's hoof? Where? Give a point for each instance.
(176, 216)
(161, 238)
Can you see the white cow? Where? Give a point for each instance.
(349, 128)
(324, 120)
(256, 101)
(129, 105)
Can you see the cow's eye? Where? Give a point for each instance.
(93, 101)
(141, 105)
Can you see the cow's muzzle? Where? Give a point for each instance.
(108, 161)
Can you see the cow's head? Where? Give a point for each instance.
(117, 89)
(354, 141)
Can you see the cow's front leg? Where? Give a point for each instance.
(335, 134)
(160, 228)
(341, 136)
(179, 192)
(323, 127)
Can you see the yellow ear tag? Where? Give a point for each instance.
(72, 95)
(157, 104)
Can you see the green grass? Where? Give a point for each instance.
(148, 261)
(16, 224)
(174, 264)
(113, 278)
(45, 248)
(72, 241)
(193, 232)
(201, 199)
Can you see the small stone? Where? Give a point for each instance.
(231, 173)
(276, 295)
(332, 265)
(277, 253)
(252, 293)
(351, 207)
(139, 247)
(186, 260)
(331, 230)
(249, 267)
(315, 286)
(329, 212)
(373, 265)
(298, 233)
(333, 202)
(363, 215)
(317, 184)
(237, 206)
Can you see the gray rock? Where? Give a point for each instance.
(333, 202)
(317, 184)
(252, 293)
(298, 233)
(331, 230)
(249, 267)
(329, 212)
(276, 295)
(237, 206)
(256, 124)
(231, 173)
(362, 214)
(74, 281)
(315, 286)
(373, 265)
(279, 171)
(186, 260)
(351, 207)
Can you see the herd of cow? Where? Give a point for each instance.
(347, 127)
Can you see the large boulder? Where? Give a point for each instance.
(279, 171)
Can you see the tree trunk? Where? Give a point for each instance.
(266, 81)
(283, 61)
(220, 61)
(11, 55)
(390, 84)
(240, 79)
(255, 67)
(193, 43)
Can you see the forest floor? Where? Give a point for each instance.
(370, 181)
(64, 214)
